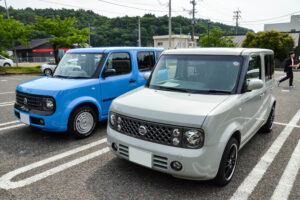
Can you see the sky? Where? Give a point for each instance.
(254, 13)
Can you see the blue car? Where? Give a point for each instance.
(82, 88)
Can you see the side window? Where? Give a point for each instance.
(146, 60)
(269, 67)
(272, 66)
(158, 53)
(254, 67)
(120, 62)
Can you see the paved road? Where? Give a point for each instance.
(41, 165)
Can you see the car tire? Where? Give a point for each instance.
(228, 163)
(7, 65)
(82, 122)
(48, 72)
(268, 126)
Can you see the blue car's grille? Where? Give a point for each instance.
(28, 100)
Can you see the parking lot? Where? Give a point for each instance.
(41, 165)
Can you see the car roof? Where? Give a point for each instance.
(217, 51)
(112, 49)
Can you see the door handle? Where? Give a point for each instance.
(132, 81)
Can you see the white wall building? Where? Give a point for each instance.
(177, 41)
(292, 26)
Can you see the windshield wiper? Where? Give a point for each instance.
(179, 89)
(60, 76)
(218, 91)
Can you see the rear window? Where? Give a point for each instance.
(146, 60)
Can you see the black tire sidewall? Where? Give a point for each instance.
(73, 117)
(7, 65)
(267, 128)
(220, 178)
(48, 70)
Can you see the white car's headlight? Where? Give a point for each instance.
(194, 138)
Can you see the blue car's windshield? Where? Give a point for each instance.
(78, 65)
(199, 74)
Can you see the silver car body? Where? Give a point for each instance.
(5, 61)
(220, 116)
(48, 66)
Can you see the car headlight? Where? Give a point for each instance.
(194, 138)
(48, 104)
(113, 119)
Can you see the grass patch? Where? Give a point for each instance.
(20, 69)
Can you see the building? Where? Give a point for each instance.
(177, 41)
(292, 26)
(38, 51)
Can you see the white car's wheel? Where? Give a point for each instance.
(48, 72)
(7, 65)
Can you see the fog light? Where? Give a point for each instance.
(42, 122)
(114, 146)
(119, 127)
(176, 165)
(176, 132)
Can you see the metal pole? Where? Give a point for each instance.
(193, 22)
(6, 10)
(170, 25)
(90, 35)
(140, 39)
(208, 23)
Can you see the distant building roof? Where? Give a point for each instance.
(174, 36)
(33, 44)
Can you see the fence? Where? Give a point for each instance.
(35, 59)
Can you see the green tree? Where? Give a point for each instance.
(62, 33)
(280, 43)
(12, 32)
(217, 38)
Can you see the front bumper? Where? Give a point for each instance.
(197, 164)
(52, 123)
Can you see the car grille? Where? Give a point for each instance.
(158, 133)
(28, 100)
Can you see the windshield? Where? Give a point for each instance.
(78, 65)
(199, 74)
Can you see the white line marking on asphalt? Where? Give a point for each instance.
(288, 177)
(3, 80)
(7, 103)
(10, 127)
(283, 124)
(7, 92)
(285, 91)
(7, 123)
(5, 180)
(250, 182)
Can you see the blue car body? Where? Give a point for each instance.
(69, 93)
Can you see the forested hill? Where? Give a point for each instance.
(120, 31)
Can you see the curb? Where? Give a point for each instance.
(21, 73)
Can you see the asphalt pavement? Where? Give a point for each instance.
(42, 165)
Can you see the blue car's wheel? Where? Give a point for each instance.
(82, 122)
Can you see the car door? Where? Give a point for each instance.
(252, 101)
(145, 63)
(118, 83)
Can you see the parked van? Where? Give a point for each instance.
(198, 108)
(82, 88)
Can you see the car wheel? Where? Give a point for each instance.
(267, 128)
(7, 65)
(228, 163)
(82, 122)
(48, 72)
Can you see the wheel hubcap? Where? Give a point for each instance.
(84, 122)
(230, 162)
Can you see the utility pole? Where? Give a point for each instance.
(193, 2)
(170, 25)
(89, 35)
(7, 11)
(208, 23)
(139, 25)
(236, 16)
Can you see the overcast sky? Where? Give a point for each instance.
(254, 13)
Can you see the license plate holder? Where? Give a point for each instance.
(24, 118)
(140, 157)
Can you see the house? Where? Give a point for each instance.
(38, 51)
(292, 26)
(177, 41)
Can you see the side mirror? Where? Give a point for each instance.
(254, 84)
(108, 72)
(147, 75)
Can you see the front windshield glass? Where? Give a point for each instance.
(199, 74)
(78, 65)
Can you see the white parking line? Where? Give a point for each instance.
(283, 124)
(7, 123)
(5, 180)
(11, 127)
(287, 180)
(7, 92)
(7, 103)
(250, 182)
(3, 80)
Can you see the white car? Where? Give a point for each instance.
(6, 62)
(197, 110)
(48, 68)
